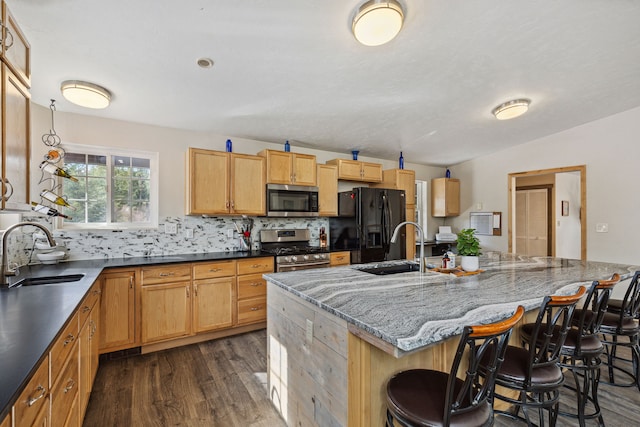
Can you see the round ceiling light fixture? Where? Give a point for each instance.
(377, 22)
(511, 109)
(85, 94)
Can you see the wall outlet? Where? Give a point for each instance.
(309, 331)
(188, 233)
(170, 228)
(230, 233)
(602, 227)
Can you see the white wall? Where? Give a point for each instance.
(567, 188)
(608, 147)
(172, 146)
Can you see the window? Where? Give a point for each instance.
(118, 189)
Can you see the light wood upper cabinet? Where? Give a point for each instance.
(118, 327)
(221, 183)
(327, 190)
(16, 50)
(14, 159)
(445, 197)
(355, 170)
(284, 167)
(400, 179)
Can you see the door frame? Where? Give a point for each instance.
(583, 201)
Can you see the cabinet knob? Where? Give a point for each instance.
(256, 308)
(69, 340)
(255, 284)
(167, 274)
(70, 385)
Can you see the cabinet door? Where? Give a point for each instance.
(33, 398)
(279, 167)
(208, 182)
(15, 139)
(327, 190)
(248, 191)
(117, 311)
(407, 182)
(16, 50)
(371, 172)
(85, 366)
(64, 393)
(340, 258)
(304, 169)
(213, 301)
(445, 197)
(349, 170)
(6, 422)
(165, 311)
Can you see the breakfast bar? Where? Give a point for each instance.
(335, 336)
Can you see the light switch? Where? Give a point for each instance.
(170, 228)
(602, 227)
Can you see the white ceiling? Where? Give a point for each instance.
(292, 69)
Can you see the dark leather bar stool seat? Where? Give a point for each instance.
(533, 372)
(424, 397)
(581, 351)
(620, 328)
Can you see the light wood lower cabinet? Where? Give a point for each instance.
(89, 342)
(64, 392)
(32, 407)
(214, 295)
(165, 311)
(6, 422)
(340, 258)
(118, 310)
(252, 289)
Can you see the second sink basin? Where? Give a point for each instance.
(48, 280)
(391, 269)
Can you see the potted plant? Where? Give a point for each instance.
(468, 249)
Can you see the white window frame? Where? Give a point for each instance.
(110, 152)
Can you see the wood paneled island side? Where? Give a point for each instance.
(335, 336)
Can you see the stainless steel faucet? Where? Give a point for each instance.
(5, 271)
(421, 234)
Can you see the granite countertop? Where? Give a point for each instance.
(412, 310)
(32, 316)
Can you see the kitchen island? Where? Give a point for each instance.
(335, 336)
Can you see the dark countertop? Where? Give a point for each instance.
(31, 317)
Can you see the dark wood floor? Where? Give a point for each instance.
(223, 383)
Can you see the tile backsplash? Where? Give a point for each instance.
(210, 234)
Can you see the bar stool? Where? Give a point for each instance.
(424, 397)
(619, 322)
(534, 372)
(582, 348)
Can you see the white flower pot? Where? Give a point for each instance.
(469, 263)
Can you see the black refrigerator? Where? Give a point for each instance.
(365, 223)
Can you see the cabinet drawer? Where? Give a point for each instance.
(208, 270)
(252, 310)
(65, 392)
(255, 265)
(251, 286)
(88, 303)
(63, 347)
(170, 273)
(340, 258)
(33, 397)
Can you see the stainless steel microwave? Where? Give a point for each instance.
(291, 200)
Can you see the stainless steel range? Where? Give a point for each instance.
(292, 249)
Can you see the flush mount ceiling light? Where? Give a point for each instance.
(377, 22)
(511, 109)
(85, 94)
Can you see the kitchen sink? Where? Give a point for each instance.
(47, 280)
(391, 269)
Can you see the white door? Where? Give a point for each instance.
(532, 228)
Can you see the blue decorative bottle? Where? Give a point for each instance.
(448, 173)
(229, 148)
(401, 161)
(287, 147)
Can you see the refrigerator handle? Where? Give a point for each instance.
(386, 224)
